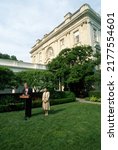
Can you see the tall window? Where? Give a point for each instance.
(95, 34)
(61, 42)
(76, 37)
(49, 55)
(40, 57)
(34, 59)
(49, 52)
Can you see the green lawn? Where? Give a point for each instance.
(72, 126)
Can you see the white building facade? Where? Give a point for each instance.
(80, 28)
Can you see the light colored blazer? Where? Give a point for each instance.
(45, 96)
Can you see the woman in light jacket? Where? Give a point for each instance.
(45, 101)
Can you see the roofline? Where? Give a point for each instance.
(88, 11)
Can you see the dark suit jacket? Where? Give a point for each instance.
(28, 103)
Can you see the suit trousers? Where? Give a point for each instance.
(28, 107)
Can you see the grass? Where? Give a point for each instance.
(72, 126)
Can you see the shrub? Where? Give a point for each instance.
(61, 101)
(37, 103)
(95, 93)
(10, 98)
(69, 94)
(57, 94)
(3, 108)
(6, 99)
(93, 99)
(87, 98)
(13, 102)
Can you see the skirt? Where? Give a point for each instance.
(46, 106)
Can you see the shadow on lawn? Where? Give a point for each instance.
(52, 111)
(38, 113)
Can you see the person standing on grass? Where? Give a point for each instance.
(45, 101)
(28, 102)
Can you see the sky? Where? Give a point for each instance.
(22, 22)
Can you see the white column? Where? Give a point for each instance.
(90, 33)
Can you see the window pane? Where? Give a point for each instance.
(95, 34)
(61, 42)
(76, 37)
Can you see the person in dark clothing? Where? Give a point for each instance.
(28, 101)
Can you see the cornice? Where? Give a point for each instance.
(87, 12)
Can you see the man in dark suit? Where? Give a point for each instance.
(28, 101)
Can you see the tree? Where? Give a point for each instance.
(37, 78)
(6, 56)
(6, 77)
(13, 57)
(75, 68)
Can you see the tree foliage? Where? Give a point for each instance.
(6, 56)
(75, 67)
(37, 78)
(7, 77)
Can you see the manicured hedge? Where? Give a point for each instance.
(20, 106)
(6, 99)
(13, 103)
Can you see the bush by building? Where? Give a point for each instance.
(12, 102)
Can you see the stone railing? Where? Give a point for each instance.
(21, 65)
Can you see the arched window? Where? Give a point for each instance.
(49, 53)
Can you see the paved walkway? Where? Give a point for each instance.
(81, 100)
